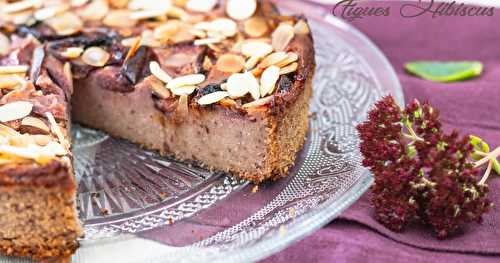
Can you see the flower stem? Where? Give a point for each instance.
(486, 174)
(488, 157)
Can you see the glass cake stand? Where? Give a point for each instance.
(139, 207)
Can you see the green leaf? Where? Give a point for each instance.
(445, 71)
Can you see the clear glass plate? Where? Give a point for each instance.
(139, 207)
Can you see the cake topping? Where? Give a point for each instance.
(95, 56)
(282, 36)
(268, 80)
(188, 80)
(230, 63)
(201, 5)
(289, 69)
(72, 52)
(65, 24)
(35, 123)
(15, 110)
(156, 70)
(238, 85)
(13, 69)
(256, 48)
(256, 27)
(213, 97)
(4, 44)
(241, 9)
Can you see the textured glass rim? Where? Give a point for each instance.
(319, 216)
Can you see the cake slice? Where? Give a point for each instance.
(224, 84)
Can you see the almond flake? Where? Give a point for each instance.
(65, 24)
(188, 80)
(259, 49)
(6, 131)
(291, 57)
(273, 59)
(95, 56)
(96, 10)
(179, 13)
(69, 75)
(119, 18)
(20, 6)
(289, 69)
(224, 26)
(158, 72)
(239, 84)
(78, 3)
(15, 110)
(13, 69)
(212, 98)
(258, 103)
(72, 52)
(206, 41)
(146, 14)
(182, 107)
(167, 30)
(301, 28)
(4, 44)
(230, 63)
(241, 9)
(159, 89)
(198, 33)
(252, 62)
(56, 129)
(21, 140)
(203, 6)
(162, 5)
(282, 36)
(256, 27)
(36, 123)
(9, 81)
(48, 12)
(41, 139)
(184, 90)
(268, 80)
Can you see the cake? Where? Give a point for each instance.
(223, 84)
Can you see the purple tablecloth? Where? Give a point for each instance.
(472, 106)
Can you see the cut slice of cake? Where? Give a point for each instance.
(224, 84)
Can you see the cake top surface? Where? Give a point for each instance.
(240, 55)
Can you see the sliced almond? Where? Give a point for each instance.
(41, 139)
(239, 84)
(50, 11)
(203, 6)
(15, 110)
(21, 140)
(4, 44)
(258, 103)
(56, 129)
(158, 72)
(224, 26)
(282, 36)
(291, 57)
(13, 69)
(162, 5)
(147, 14)
(260, 49)
(65, 24)
(182, 108)
(256, 27)
(36, 123)
(198, 33)
(167, 30)
(72, 52)
(95, 56)
(147, 39)
(69, 75)
(289, 69)
(301, 28)
(213, 97)
(184, 90)
(177, 12)
(159, 89)
(20, 6)
(207, 41)
(241, 9)
(230, 63)
(119, 4)
(78, 3)
(252, 62)
(273, 59)
(183, 34)
(9, 81)
(96, 10)
(188, 80)
(6, 131)
(119, 18)
(268, 80)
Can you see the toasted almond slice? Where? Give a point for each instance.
(163, 5)
(6, 131)
(13, 69)
(118, 4)
(95, 56)
(20, 6)
(148, 39)
(268, 80)
(36, 123)
(258, 103)
(15, 110)
(198, 33)
(4, 44)
(159, 89)
(156, 70)
(10, 81)
(238, 85)
(119, 18)
(23, 152)
(69, 75)
(179, 13)
(206, 41)
(184, 90)
(256, 26)
(252, 62)
(289, 69)
(230, 63)
(65, 24)
(223, 86)
(41, 139)
(146, 14)
(188, 80)
(273, 59)
(213, 97)
(183, 34)
(50, 11)
(282, 36)
(224, 26)
(56, 129)
(241, 9)
(167, 30)
(291, 57)
(96, 10)
(72, 52)
(182, 108)
(203, 6)
(301, 28)
(260, 49)
(78, 3)
(21, 140)
(227, 102)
